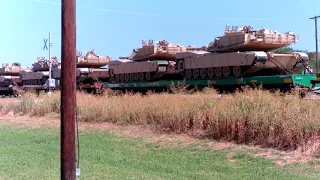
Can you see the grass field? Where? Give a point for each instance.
(250, 117)
(27, 153)
(253, 117)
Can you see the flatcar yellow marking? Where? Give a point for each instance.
(287, 80)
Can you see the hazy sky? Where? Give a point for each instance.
(115, 27)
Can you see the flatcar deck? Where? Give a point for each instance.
(310, 81)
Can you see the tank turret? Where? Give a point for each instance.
(12, 70)
(248, 39)
(92, 60)
(43, 65)
(162, 50)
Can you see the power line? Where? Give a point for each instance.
(161, 15)
(316, 34)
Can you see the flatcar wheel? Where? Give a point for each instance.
(131, 76)
(127, 76)
(141, 76)
(117, 77)
(195, 73)
(203, 72)
(188, 73)
(226, 71)
(218, 71)
(210, 72)
(148, 76)
(121, 77)
(111, 79)
(136, 76)
(236, 70)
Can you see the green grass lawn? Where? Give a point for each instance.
(27, 153)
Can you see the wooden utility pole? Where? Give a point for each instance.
(316, 32)
(68, 91)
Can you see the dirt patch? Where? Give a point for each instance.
(150, 134)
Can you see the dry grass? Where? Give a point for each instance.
(252, 116)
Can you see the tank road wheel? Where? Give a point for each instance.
(203, 72)
(131, 76)
(218, 71)
(127, 76)
(236, 70)
(226, 71)
(188, 73)
(195, 73)
(180, 65)
(141, 76)
(148, 76)
(121, 77)
(111, 72)
(136, 76)
(210, 72)
(117, 77)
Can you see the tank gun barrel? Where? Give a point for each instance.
(124, 57)
(196, 48)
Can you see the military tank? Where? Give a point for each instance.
(244, 52)
(89, 72)
(148, 63)
(9, 79)
(36, 77)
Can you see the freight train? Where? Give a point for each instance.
(242, 56)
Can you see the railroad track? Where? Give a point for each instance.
(213, 96)
(227, 96)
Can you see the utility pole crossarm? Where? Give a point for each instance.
(315, 17)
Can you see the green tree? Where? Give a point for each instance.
(283, 50)
(311, 55)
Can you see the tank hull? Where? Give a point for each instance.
(88, 79)
(84, 73)
(206, 65)
(36, 80)
(133, 71)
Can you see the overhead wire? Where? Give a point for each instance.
(166, 16)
